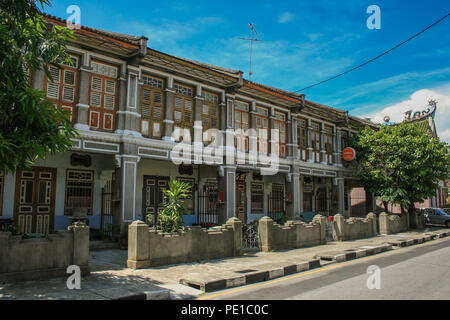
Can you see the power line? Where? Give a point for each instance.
(379, 56)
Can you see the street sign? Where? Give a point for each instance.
(348, 154)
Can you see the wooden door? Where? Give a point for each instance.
(153, 195)
(241, 201)
(34, 210)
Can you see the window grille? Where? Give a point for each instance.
(79, 190)
(262, 129)
(257, 197)
(62, 87)
(280, 124)
(302, 138)
(315, 141)
(103, 96)
(183, 110)
(210, 113)
(241, 121)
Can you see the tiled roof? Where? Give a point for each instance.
(135, 40)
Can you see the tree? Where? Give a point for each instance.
(31, 126)
(170, 218)
(401, 164)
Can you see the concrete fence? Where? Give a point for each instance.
(293, 234)
(35, 259)
(393, 223)
(148, 247)
(354, 228)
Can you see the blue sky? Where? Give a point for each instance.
(303, 42)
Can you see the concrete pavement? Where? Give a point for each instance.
(111, 279)
(417, 272)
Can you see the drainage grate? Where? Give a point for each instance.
(246, 271)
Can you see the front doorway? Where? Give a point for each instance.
(153, 195)
(34, 209)
(241, 201)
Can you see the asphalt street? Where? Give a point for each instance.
(419, 272)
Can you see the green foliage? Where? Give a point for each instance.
(149, 219)
(170, 218)
(401, 164)
(30, 126)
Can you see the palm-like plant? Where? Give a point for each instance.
(170, 218)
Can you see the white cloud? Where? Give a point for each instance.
(285, 17)
(418, 101)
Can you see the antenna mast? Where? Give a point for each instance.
(252, 39)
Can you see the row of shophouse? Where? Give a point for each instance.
(126, 100)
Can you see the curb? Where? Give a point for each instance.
(318, 261)
(251, 277)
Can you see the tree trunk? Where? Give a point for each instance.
(385, 205)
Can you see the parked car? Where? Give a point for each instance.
(436, 216)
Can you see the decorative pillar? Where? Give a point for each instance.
(82, 119)
(293, 189)
(127, 174)
(323, 151)
(198, 126)
(127, 114)
(338, 148)
(309, 146)
(168, 117)
(227, 185)
(341, 198)
(291, 144)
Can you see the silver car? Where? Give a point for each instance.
(436, 216)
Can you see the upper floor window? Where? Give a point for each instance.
(62, 88)
(262, 129)
(103, 96)
(152, 102)
(280, 124)
(210, 110)
(79, 190)
(302, 138)
(241, 125)
(183, 106)
(315, 141)
(328, 136)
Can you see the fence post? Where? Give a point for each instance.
(384, 223)
(338, 227)
(265, 229)
(138, 245)
(323, 227)
(80, 244)
(372, 216)
(236, 224)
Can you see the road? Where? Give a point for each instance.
(419, 272)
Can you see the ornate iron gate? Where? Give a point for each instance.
(107, 212)
(250, 237)
(207, 208)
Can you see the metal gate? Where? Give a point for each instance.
(207, 208)
(250, 237)
(107, 212)
(276, 205)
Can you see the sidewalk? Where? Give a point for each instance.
(111, 279)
